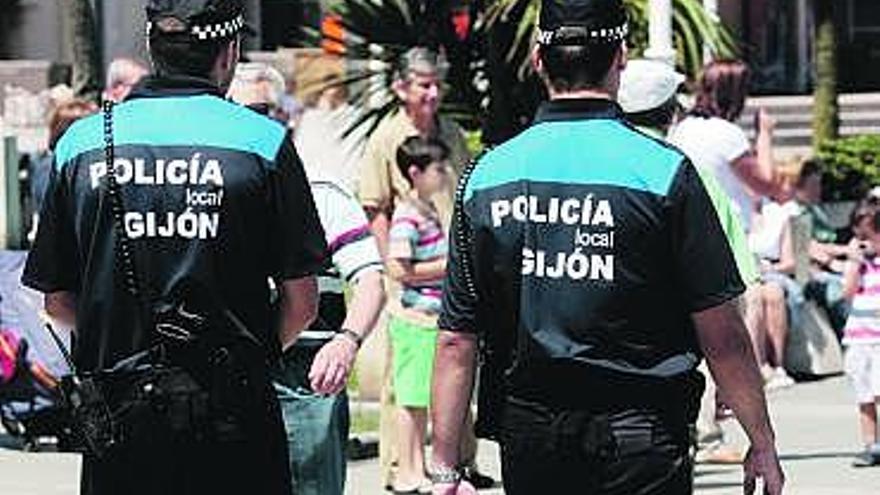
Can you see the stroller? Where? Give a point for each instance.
(28, 396)
(30, 410)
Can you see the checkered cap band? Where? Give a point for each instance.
(575, 35)
(220, 30)
(212, 31)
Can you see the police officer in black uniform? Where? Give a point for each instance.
(173, 317)
(588, 266)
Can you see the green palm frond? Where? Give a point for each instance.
(378, 32)
(693, 28)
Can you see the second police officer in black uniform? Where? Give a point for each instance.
(587, 262)
(164, 271)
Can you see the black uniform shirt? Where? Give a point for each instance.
(585, 246)
(214, 193)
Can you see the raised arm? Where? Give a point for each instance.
(755, 168)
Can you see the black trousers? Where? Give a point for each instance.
(630, 451)
(163, 462)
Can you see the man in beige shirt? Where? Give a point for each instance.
(381, 185)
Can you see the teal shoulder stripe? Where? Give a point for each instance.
(179, 121)
(601, 152)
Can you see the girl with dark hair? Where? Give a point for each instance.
(711, 138)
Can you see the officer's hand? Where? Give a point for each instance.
(332, 365)
(460, 488)
(764, 464)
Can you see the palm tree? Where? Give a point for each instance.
(377, 33)
(491, 84)
(694, 28)
(513, 21)
(826, 112)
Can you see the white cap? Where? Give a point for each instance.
(646, 85)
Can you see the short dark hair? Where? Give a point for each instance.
(180, 55)
(576, 67)
(419, 152)
(810, 168)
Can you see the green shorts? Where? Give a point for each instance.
(412, 348)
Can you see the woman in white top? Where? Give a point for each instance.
(710, 137)
(771, 241)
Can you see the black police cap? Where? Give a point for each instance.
(201, 20)
(580, 22)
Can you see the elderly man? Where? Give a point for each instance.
(381, 185)
(122, 75)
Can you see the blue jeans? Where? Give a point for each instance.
(317, 427)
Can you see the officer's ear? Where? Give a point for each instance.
(233, 53)
(537, 64)
(622, 56)
(612, 80)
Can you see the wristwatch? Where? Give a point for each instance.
(444, 475)
(351, 335)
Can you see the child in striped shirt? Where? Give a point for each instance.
(417, 259)
(861, 335)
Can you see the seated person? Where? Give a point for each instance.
(826, 255)
(781, 296)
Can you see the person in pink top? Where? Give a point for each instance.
(861, 335)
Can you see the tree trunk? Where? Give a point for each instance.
(84, 42)
(826, 112)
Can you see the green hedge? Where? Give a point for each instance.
(851, 166)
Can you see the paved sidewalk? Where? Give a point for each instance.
(815, 422)
(817, 431)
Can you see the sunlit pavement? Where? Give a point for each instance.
(815, 424)
(817, 431)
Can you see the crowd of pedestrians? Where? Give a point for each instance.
(452, 259)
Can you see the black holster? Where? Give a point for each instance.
(202, 387)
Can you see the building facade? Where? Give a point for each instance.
(777, 38)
